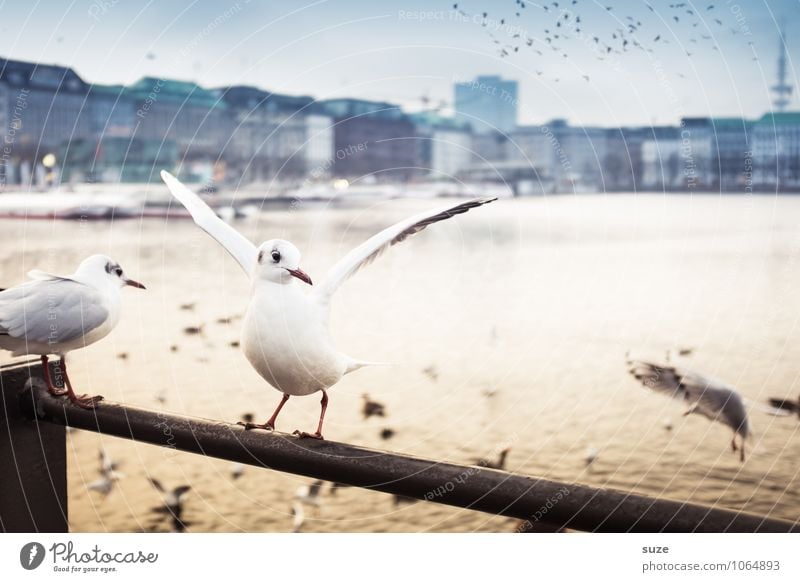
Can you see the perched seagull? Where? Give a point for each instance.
(285, 334)
(712, 398)
(499, 464)
(54, 315)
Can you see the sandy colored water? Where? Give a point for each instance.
(535, 300)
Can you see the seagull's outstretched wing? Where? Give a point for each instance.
(368, 251)
(238, 246)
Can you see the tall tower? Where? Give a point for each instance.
(782, 90)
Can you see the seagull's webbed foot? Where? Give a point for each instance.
(251, 425)
(85, 401)
(57, 392)
(308, 435)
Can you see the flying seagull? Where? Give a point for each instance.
(109, 475)
(712, 398)
(285, 334)
(53, 314)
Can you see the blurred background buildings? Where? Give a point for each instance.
(58, 128)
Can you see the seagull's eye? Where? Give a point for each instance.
(118, 271)
(276, 256)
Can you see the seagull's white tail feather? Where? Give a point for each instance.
(353, 364)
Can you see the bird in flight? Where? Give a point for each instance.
(706, 396)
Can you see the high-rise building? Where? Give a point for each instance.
(488, 104)
(373, 138)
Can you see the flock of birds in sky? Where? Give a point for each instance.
(285, 337)
(687, 27)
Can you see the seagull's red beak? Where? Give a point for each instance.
(300, 274)
(133, 283)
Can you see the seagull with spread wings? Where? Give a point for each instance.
(706, 396)
(285, 334)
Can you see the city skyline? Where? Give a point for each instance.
(244, 43)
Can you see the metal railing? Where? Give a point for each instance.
(33, 487)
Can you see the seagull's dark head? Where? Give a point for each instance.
(101, 270)
(279, 262)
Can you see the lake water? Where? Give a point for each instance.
(534, 302)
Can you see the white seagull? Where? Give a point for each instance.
(55, 314)
(108, 475)
(709, 397)
(285, 334)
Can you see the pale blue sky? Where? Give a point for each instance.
(387, 50)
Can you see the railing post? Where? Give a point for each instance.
(33, 461)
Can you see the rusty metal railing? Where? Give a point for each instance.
(33, 489)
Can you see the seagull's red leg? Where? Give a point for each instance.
(270, 424)
(83, 400)
(50, 387)
(317, 435)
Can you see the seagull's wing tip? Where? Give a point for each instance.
(166, 175)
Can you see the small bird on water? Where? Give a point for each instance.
(499, 464)
(372, 407)
(285, 333)
(709, 397)
(54, 314)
